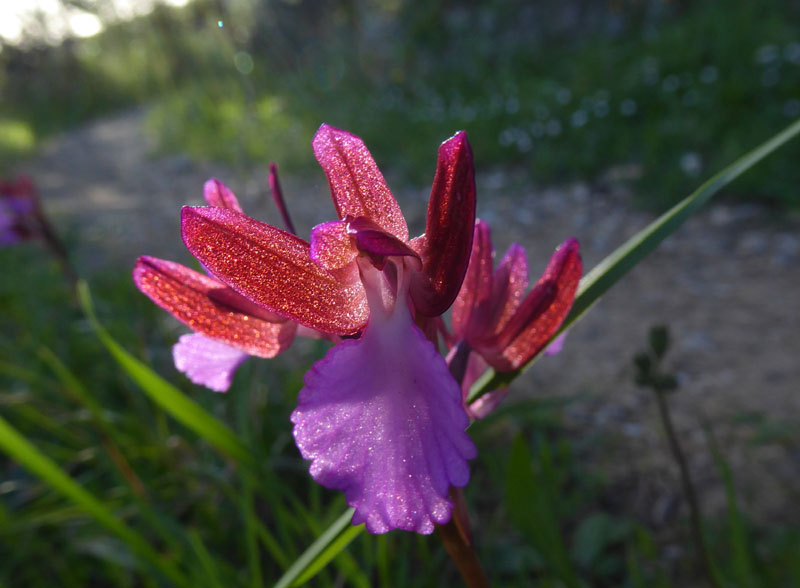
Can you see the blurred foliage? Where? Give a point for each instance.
(658, 93)
(541, 511)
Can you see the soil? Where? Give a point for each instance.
(726, 284)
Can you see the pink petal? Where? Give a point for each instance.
(357, 185)
(211, 308)
(218, 194)
(541, 313)
(447, 245)
(484, 405)
(469, 308)
(509, 282)
(273, 268)
(207, 362)
(556, 345)
(332, 245)
(378, 244)
(381, 418)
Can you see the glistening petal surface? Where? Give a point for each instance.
(446, 247)
(211, 308)
(207, 362)
(534, 321)
(470, 306)
(274, 269)
(357, 185)
(218, 194)
(381, 418)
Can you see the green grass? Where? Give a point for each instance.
(112, 487)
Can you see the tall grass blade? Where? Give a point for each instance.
(614, 267)
(323, 550)
(531, 498)
(177, 404)
(21, 450)
(742, 558)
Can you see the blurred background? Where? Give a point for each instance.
(585, 118)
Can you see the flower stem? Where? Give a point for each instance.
(462, 554)
(688, 486)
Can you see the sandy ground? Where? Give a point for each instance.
(726, 284)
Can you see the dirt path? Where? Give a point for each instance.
(726, 284)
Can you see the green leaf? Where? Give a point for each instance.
(532, 504)
(323, 550)
(182, 408)
(36, 462)
(614, 267)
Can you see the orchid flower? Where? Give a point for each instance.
(227, 327)
(496, 324)
(18, 211)
(380, 416)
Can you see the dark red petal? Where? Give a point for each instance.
(218, 194)
(541, 312)
(357, 185)
(476, 290)
(376, 242)
(211, 308)
(273, 268)
(448, 230)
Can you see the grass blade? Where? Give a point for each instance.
(22, 451)
(182, 408)
(322, 551)
(614, 267)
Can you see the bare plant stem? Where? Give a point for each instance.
(688, 487)
(462, 554)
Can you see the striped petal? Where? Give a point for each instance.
(447, 244)
(211, 308)
(541, 312)
(218, 194)
(274, 269)
(357, 185)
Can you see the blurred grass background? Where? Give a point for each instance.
(659, 94)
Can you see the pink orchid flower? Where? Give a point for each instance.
(380, 417)
(228, 328)
(496, 323)
(19, 211)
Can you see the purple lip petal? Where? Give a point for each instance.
(274, 269)
(447, 243)
(381, 419)
(218, 194)
(207, 362)
(277, 195)
(357, 185)
(211, 308)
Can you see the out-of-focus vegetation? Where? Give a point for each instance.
(661, 93)
(542, 513)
